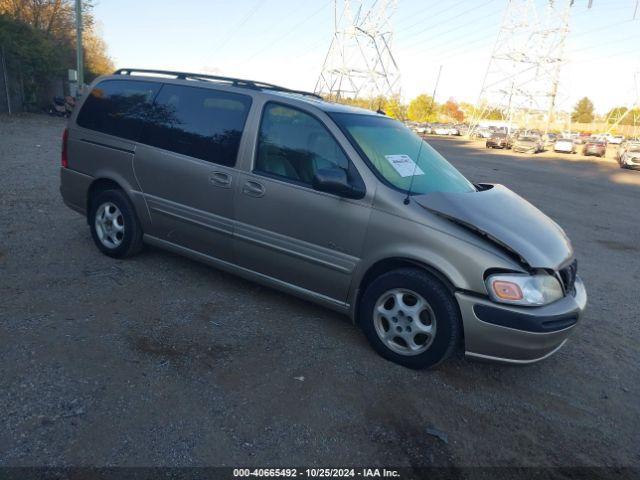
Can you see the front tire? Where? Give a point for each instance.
(114, 225)
(410, 318)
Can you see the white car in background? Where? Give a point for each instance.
(442, 130)
(630, 158)
(615, 139)
(483, 133)
(565, 145)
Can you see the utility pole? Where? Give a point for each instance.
(435, 90)
(6, 80)
(79, 54)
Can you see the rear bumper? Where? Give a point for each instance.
(518, 335)
(73, 188)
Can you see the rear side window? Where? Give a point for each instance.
(198, 122)
(118, 107)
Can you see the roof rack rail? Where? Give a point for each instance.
(236, 82)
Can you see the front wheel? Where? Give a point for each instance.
(410, 318)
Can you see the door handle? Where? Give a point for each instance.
(253, 189)
(220, 179)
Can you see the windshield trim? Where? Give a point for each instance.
(365, 159)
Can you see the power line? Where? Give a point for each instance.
(474, 20)
(286, 34)
(431, 15)
(447, 55)
(616, 40)
(464, 12)
(232, 31)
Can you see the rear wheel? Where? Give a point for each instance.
(114, 225)
(410, 318)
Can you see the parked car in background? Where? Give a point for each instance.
(631, 157)
(462, 128)
(578, 138)
(615, 139)
(624, 146)
(423, 129)
(565, 145)
(483, 133)
(528, 144)
(595, 147)
(549, 138)
(443, 129)
(498, 140)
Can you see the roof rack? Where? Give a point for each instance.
(236, 82)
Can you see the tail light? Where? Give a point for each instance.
(64, 160)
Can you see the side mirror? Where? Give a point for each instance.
(334, 180)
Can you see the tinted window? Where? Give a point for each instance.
(118, 107)
(198, 122)
(294, 145)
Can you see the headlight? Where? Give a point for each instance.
(522, 289)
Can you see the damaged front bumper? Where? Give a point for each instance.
(519, 335)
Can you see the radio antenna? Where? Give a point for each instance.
(413, 175)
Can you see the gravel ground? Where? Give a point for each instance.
(159, 360)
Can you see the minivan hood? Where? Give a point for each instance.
(507, 219)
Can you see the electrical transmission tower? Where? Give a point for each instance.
(629, 112)
(360, 63)
(522, 80)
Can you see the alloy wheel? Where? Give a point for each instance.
(404, 321)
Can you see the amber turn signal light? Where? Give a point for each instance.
(507, 290)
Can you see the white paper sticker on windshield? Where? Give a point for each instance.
(404, 165)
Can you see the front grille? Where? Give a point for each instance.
(568, 276)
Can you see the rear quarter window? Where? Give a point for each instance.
(118, 107)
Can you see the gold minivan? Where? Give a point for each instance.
(341, 206)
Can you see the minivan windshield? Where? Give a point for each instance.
(400, 156)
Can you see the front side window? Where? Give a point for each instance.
(198, 122)
(118, 107)
(401, 157)
(295, 145)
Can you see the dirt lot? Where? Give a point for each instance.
(159, 360)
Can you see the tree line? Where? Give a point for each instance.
(584, 112)
(37, 38)
(424, 109)
(421, 109)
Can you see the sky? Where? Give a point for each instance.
(286, 41)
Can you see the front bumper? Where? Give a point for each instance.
(519, 335)
(632, 163)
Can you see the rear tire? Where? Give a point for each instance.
(410, 318)
(114, 225)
